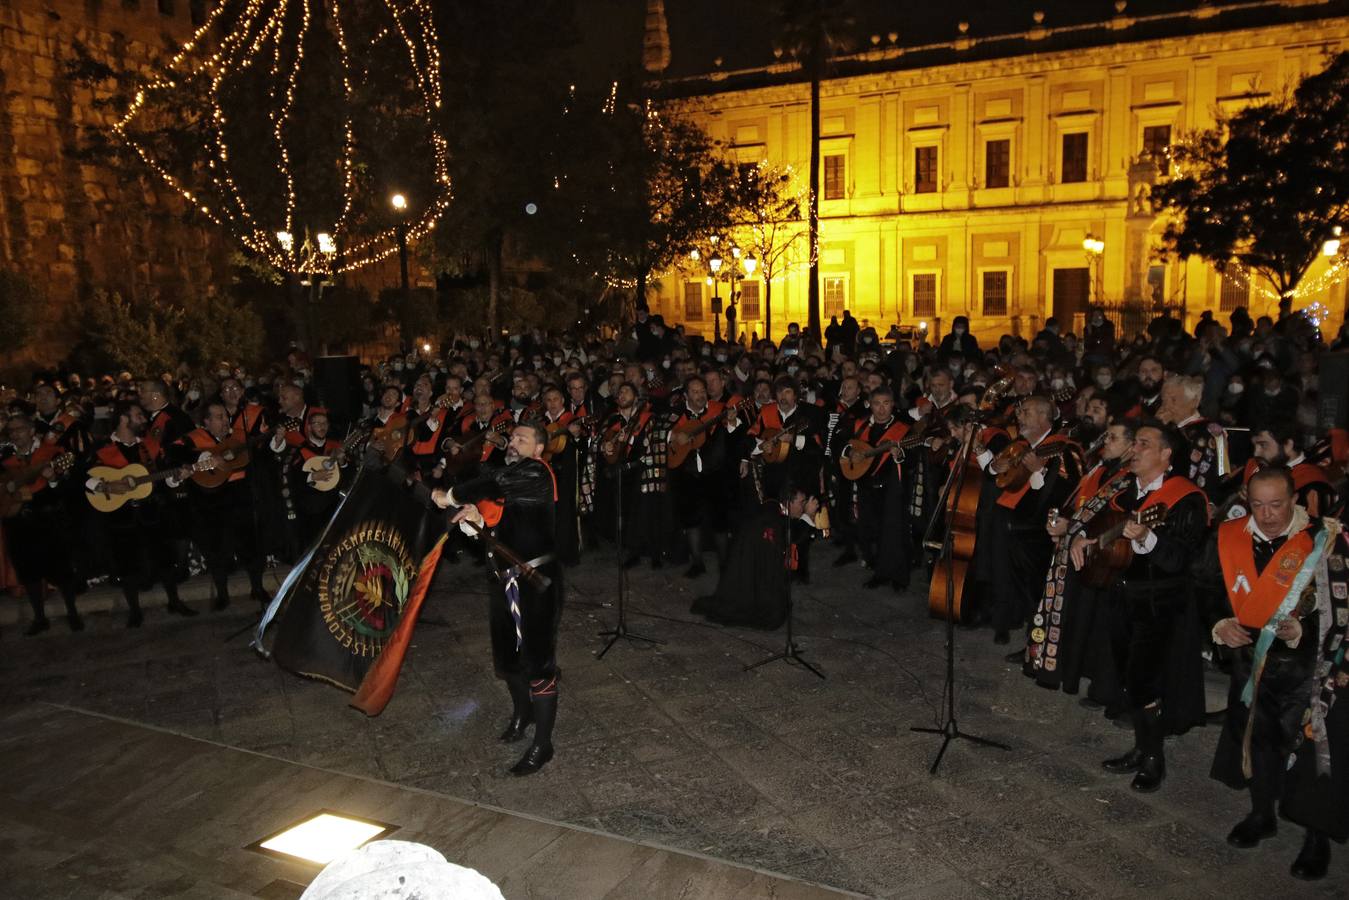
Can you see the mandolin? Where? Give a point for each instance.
(776, 443)
(692, 435)
(1113, 552)
(322, 470)
(17, 486)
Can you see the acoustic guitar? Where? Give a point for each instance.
(692, 435)
(227, 457)
(615, 446)
(860, 456)
(136, 483)
(17, 486)
(392, 437)
(455, 463)
(1113, 552)
(1016, 475)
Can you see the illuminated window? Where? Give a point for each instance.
(1074, 157)
(925, 294)
(835, 166)
(925, 170)
(749, 300)
(693, 301)
(995, 293)
(997, 163)
(1157, 141)
(1236, 291)
(835, 295)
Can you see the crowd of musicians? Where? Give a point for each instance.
(1122, 515)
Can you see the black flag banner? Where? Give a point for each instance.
(346, 598)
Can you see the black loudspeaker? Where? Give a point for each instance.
(338, 381)
(1333, 391)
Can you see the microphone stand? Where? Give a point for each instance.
(790, 652)
(949, 728)
(620, 630)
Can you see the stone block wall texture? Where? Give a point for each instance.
(72, 224)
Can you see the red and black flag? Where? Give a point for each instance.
(351, 602)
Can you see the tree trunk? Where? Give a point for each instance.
(813, 237)
(495, 240)
(638, 297)
(767, 308)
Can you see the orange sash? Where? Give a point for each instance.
(1255, 595)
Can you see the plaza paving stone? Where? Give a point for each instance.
(675, 744)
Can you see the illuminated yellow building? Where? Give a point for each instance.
(970, 176)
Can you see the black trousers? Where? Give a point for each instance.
(1152, 617)
(533, 651)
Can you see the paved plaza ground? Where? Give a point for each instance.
(676, 746)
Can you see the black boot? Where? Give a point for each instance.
(258, 592)
(522, 710)
(134, 616)
(1252, 830)
(1314, 858)
(694, 538)
(176, 604)
(543, 696)
(36, 594)
(222, 593)
(72, 614)
(1152, 767)
(1128, 763)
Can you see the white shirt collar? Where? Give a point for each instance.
(1193, 417)
(1145, 489)
(1297, 460)
(1298, 522)
(1041, 440)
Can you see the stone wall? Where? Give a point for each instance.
(71, 224)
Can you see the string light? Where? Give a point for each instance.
(260, 37)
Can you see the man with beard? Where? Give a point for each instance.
(1278, 446)
(1075, 631)
(516, 504)
(138, 541)
(1161, 661)
(1020, 547)
(390, 405)
(315, 493)
(1150, 377)
(882, 508)
(1264, 564)
(700, 503)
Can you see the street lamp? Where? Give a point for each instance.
(714, 263)
(400, 203)
(1332, 245)
(1095, 248)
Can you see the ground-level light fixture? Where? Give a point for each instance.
(321, 837)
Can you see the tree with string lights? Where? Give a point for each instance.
(768, 224)
(1266, 190)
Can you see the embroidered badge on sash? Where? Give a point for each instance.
(1054, 617)
(1037, 635)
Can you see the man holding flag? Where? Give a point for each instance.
(1279, 590)
(513, 507)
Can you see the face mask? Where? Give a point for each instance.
(954, 366)
(665, 364)
(958, 331)
(721, 357)
(398, 367)
(1235, 388)
(193, 395)
(968, 371)
(249, 382)
(792, 370)
(473, 345)
(1104, 380)
(1056, 383)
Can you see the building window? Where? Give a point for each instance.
(835, 295)
(1236, 291)
(998, 163)
(693, 301)
(925, 170)
(995, 293)
(1074, 157)
(1072, 291)
(1157, 142)
(835, 165)
(925, 294)
(749, 300)
(166, 7)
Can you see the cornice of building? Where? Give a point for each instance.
(1028, 53)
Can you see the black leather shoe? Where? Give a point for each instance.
(1088, 703)
(1151, 774)
(1314, 858)
(697, 570)
(535, 758)
(1124, 765)
(1252, 830)
(38, 626)
(874, 582)
(1001, 637)
(845, 558)
(75, 622)
(182, 609)
(516, 729)
(221, 602)
(135, 619)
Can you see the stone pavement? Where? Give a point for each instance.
(676, 745)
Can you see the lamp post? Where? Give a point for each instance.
(714, 263)
(400, 205)
(1095, 249)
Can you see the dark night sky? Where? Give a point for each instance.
(741, 31)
